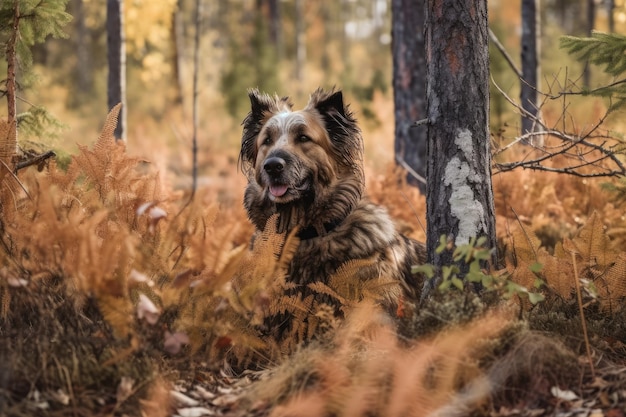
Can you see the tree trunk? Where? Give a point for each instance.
(460, 197)
(178, 37)
(300, 43)
(409, 87)
(116, 55)
(530, 67)
(591, 20)
(610, 8)
(276, 34)
(83, 63)
(8, 147)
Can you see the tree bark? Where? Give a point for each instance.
(8, 148)
(300, 43)
(276, 33)
(178, 38)
(116, 55)
(409, 87)
(83, 63)
(610, 8)
(460, 196)
(591, 20)
(530, 67)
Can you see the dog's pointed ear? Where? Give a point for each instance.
(259, 103)
(341, 126)
(261, 107)
(328, 102)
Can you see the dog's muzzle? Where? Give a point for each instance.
(274, 167)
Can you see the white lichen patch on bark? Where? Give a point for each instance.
(463, 140)
(463, 203)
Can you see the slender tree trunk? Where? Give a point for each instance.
(196, 93)
(178, 35)
(300, 42)
(83, 63)
(610, 8)
(276, 33)
(591, 20)
(116, 55)
(530, 67)
(409, 87)
(8, 148)
(460, 196)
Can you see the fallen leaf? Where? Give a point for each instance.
(564, 395)
(124, 389)
(174, 342)
(147, 310)
(195, 412)
(138, 277)
(184, 400)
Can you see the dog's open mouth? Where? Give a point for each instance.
(285, 193)
(278, 190)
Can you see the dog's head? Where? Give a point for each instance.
(292, 155)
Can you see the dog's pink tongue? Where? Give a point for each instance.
(278, 190)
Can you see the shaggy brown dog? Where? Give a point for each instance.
(307, 167)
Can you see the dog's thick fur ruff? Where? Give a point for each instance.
(307, 167)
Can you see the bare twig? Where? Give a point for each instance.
(196, 70)
(505, 54)
(410, 170)
(35, 160)
(576, 147)
(583, 322)
(12, 174)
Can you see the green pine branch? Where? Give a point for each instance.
(607, 51)
(38, 19)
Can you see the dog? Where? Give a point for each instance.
(306, 167)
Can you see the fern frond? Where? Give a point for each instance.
(107, 133)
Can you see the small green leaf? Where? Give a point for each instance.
(457, 282)
(443, 243)
(482, 254)
(535, 267)
(427, 269)
(487, 281)
(535, 297)
(446, 272)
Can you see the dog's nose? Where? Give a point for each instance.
(274, 165)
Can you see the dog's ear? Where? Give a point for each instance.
(259, 103)
(328, 102)
(261, 107)
(340, 124)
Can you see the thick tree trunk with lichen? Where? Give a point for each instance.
(409, 87)
(460, 197)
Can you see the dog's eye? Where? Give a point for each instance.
(303, 138)
(267, 140)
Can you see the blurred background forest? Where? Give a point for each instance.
(285, 46)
